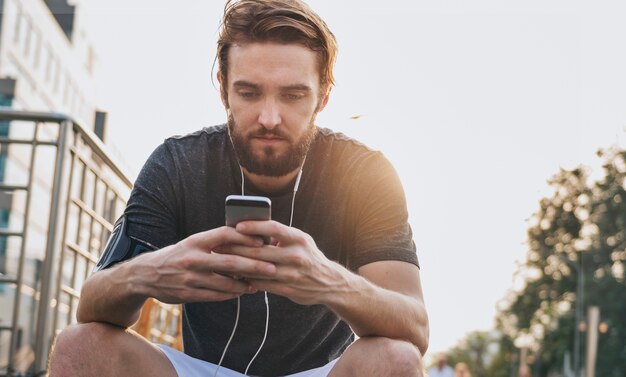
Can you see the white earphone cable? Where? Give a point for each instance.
(232, 335)
(267, 304)
(267, 325)
(295, 189)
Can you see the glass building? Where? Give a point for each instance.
(60, 191)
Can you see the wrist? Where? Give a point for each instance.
(133, 277)
(345, 288)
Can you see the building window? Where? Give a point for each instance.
(28, 30)
(71, 96)
(49, 61)
(18, 24)
(67, 90)
(57, 75)
(5, 213)
(90, 60)
(37, 46)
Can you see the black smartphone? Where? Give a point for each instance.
(240, 208)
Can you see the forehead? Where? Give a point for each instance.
(273, 63)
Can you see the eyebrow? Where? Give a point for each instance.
(245, 84)
(248, 84)
(301, 87)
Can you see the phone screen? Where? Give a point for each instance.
(240, 208)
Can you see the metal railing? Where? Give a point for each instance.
(61, 193)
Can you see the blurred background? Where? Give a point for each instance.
(504, 120)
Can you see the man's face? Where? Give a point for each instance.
(273, 96)
(443, 361)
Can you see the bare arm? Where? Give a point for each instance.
(109, 296)
(384, 299)
(185, 272)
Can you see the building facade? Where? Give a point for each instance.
(46, 58)
(59, 190)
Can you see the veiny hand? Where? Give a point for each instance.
(303, 273)
(190, 271)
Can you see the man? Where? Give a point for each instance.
(441, 369)
(341, 261)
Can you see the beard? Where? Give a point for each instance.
(268, 163)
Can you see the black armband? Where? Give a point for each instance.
(120, 246)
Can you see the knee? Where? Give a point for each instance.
(87, 334)
(403, 358)
(77, 342)
(379, 356)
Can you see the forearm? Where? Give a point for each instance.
(384, 299)
(179, 273)
(109, 296)
(371, 310)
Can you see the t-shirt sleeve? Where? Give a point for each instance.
(151, 211)
(382, 230)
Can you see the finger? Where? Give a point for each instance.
(280, 232)
(268, 253)
(213, 238)
(271, 286)
(221, 283)
(241, 266)
(203, 295)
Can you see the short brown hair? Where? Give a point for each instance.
(281, 21)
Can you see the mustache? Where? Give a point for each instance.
(264, 132)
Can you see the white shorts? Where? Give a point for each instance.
(187, 366)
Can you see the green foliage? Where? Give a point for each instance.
(505, 361)
(578, 232)
(487, 354)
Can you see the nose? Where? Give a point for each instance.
(269, 117)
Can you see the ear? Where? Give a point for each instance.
(223, 94)
(324, 100)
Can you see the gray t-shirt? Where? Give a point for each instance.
(350, 201)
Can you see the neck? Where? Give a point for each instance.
(271, 184)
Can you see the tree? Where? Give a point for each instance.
(577, 233)
(479, 350)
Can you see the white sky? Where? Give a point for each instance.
(476, 103)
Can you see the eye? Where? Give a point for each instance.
(247, 94)
(294, 96)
